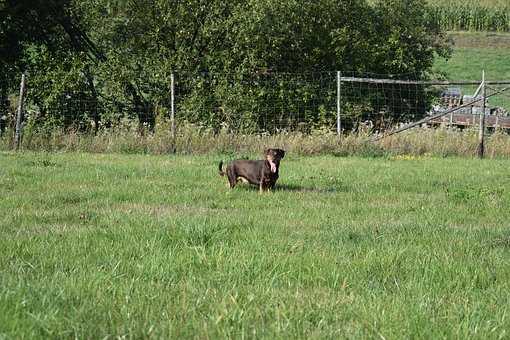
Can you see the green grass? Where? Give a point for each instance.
(474, 52)
(484, 3)
(468, 63)
(104, 246)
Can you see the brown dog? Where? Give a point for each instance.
(263, 173)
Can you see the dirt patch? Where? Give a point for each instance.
(480, 40)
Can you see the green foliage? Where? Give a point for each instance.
(117, 57)
(40, 37)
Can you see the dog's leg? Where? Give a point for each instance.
(263, 186)
(232, 180)
(221, 172)
(261, 183)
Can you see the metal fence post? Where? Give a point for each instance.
(19, 116)
(481, 134)
(338, 103)
(172, 112)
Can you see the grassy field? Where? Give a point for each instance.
(103, 246)
(474, 52)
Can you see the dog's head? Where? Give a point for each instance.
(273, 156)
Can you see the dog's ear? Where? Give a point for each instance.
(267, 152)
(282, 153)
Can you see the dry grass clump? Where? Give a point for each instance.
(127, 138)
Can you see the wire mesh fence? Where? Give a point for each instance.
(262, 102)
(384, 103)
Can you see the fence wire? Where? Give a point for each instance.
(263, 102)
(268, 102)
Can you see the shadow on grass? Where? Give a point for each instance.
(300, 188)
(279, 187)
(293, 188)
(502, 241)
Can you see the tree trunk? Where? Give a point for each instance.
(143, 109)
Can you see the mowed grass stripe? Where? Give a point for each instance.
(97, 246)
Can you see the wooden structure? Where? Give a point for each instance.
(467, 119)
(469, 116)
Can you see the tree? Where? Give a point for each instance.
(41, 37)
(120, 54)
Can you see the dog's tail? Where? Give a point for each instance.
(222, 173)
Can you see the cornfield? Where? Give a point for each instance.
(477, 16)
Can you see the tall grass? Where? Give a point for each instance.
(471, 16)
(194, 140)
(157, 247)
